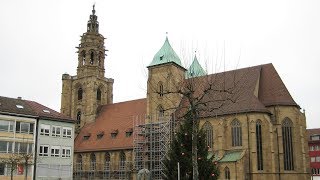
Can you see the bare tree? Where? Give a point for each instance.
(200, 97)
(12, 161)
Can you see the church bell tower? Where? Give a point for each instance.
(83, 94)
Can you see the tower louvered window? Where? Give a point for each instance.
(208, 129)
(79, 162)
(259, 145)
(91, 58)
(107, 161)
(236, 133)
(287, 144)
(161, 89)
(83, 58)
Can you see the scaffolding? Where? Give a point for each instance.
(152, 137)
(116, 170)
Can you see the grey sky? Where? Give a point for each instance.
(38, 40)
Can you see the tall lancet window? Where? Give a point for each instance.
(208, 129)
(226, 173)
(91, 58)
(236, 133)
(287, 144)
(160, 112)
(259, 145)
(80, 93)
(92, 162)
(83, 56)
(161, 89)
(122, 160)
(78, 123)
(98, 94)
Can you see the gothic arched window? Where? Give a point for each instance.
(226, 173)
(160, 111)
(80, 93)
(236, 133)
(287, 144)
(78, 119)
(92, 161)
(122, 160)
(259, 145)
(161, 89)
(208, 129)
(98, 94)
(91, 58)
(107, 159)
(79, 162)
(83, 56)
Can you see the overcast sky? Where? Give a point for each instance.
(38, 40)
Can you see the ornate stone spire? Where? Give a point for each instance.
(93, 24)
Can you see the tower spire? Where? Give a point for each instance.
(93, 24)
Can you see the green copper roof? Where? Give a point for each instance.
(232, 156)
(165, 54)
(195, 69)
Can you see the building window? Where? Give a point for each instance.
(78, 123)
(313, 159)
(66, 152)
(122, 160)
(92, 162)
(6, 126)
(79, 162)
(55, 151)
(44, 150)
(67, 132)
(83, 57)
(287, 144)
(98, 94)
(208, 129)
(80, 93)
(24, 127)
(311, 148)
(160, 111)
(259, 145)
(2, 168)
(91, 58)
(45, 129)
(318, 159)
(236, 131)
(161, 93)
(3, 146)
(314, 171)
(56, 131)
(107, 160)
(226, 173)
(315, 137)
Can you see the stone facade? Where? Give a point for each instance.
(264, 105)
(84, 93)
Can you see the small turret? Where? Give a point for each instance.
(93, 24)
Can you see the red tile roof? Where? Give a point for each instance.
(47, 113)
(30, 108)
(311, 132)
(113, 117)
(242, 83)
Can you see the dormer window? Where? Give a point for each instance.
(46, 111)
(100, 135)
(161, 57)
(86, 137)
(19, 106)
(114, 133)
(129, 132)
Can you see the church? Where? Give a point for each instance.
(254, 128)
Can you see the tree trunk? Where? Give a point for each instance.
(194, 147)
